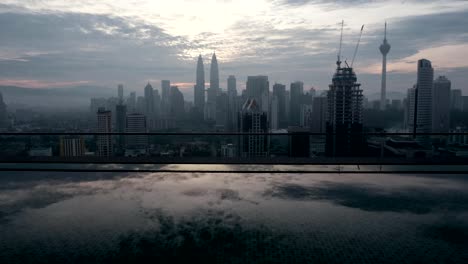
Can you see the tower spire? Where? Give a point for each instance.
(384, 49)
(385, 34)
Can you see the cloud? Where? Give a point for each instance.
(110, 42)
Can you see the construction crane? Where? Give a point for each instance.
(357, 46)
(338, 62)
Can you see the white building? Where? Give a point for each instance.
(421, 106)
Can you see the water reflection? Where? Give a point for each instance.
(202, 217)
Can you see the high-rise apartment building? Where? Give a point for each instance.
(420, 111)
(136, 123)
(72, 147)
(104, 142)
(253, 120)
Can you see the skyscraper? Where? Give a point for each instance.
(384, 49)
(274, 113)
(165, 97)
(213, 91)
(131, 102)
(420, 108)
(120, 92)
(232, 103)
(177, 103)
(199, 89)
(319, 115)
(253, 120)
(149, 100)
(456, 100)
(279, 91)
(344, 124)
(3, 112)
(121, 113)
(258, 89)
(297, 91)
(232, 86)
(104, 142)
(157, 103)
(441, 105)
(136, 123)
(214, 74)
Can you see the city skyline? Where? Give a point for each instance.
(160, 50)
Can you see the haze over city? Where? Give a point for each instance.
(47, 44)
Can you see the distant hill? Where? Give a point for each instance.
(77, 96)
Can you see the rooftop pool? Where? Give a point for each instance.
(180, 217)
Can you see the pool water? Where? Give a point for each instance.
(104, 217)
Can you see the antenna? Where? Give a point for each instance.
(385, 34)
(357, 45)
(338, 62)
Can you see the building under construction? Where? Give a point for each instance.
(344, 123)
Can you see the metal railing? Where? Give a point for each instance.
(232, 148)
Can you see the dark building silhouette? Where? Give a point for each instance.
(177, 103)
(279, 91)
(258, 88)
(165, 98)
(253, 120)
(136, 123)
(213, 91)
(222, 111)
(299, 142)
(233, 106)
(199, 89)
(121, 113)
(72, 147)
(3, 113)
(149, 100)
(296, 93)
(104, 125)
(344, 126)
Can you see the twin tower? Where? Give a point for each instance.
(208, 109)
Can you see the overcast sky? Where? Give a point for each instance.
(58, 43)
